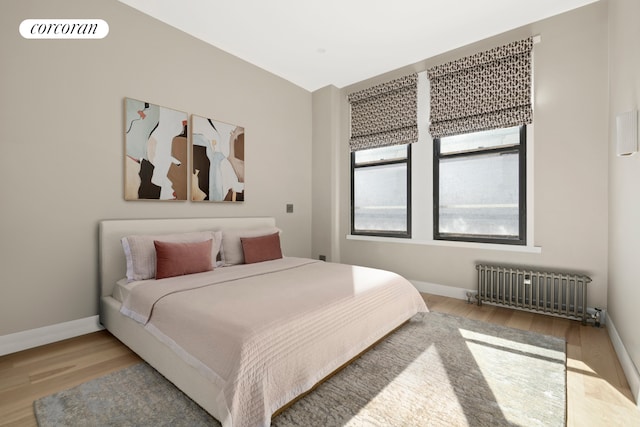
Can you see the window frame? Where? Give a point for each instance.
(521, 149)
(381, 233)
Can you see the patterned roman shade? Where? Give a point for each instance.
(488, 90)
(385, 114)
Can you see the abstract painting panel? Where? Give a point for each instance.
(156, 152)
(218, 161)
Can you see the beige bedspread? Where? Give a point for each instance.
(265, 333)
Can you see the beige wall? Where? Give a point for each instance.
(624, 177)
(326, 184)
(570, 167)
(61, 146)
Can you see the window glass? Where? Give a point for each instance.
(479, 187)
(381, 191)
(480, 140)
(479, 195)
(380, 198)
(394, 152)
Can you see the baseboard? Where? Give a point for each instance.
(442, 290)
(630, 370)
(48, 334)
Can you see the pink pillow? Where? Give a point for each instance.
(177, 259)
(262, 248)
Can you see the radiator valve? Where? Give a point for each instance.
(471, 297)
(596, 317)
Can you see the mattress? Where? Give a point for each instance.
(265, 333)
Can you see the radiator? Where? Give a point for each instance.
(559, 294)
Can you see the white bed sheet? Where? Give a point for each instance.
(274, 329)
(123, 288)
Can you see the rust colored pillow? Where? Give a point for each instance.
(177, 259)
(262, 248)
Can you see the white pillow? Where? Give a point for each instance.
(231, 250)
(141, 252)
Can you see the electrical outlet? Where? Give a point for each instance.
(289, 207)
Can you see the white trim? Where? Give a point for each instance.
(24, 340)
(449, 243)
(630, 370)
(442, 290)
(530, 177)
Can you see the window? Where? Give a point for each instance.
(479, 187)
(381, 191)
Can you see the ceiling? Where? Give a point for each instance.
(315, 43)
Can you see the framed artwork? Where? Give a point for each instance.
(217, 170)
(156, 152)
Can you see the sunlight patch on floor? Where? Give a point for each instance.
(415, 376)
(505, 365)
(533, 350)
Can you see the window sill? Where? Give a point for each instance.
(451, 244)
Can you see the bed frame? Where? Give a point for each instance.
(132, 334)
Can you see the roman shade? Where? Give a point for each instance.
(488, 90)
(385, 114)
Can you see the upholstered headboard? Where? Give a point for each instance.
(113, 264)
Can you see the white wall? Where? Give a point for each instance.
(61, 146)
(624, 179)
(570, 168)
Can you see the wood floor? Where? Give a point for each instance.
(597, 391)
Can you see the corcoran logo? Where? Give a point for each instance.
(64, 29)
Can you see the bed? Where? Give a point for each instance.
(247, 337)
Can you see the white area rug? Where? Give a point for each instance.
(436, 370)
